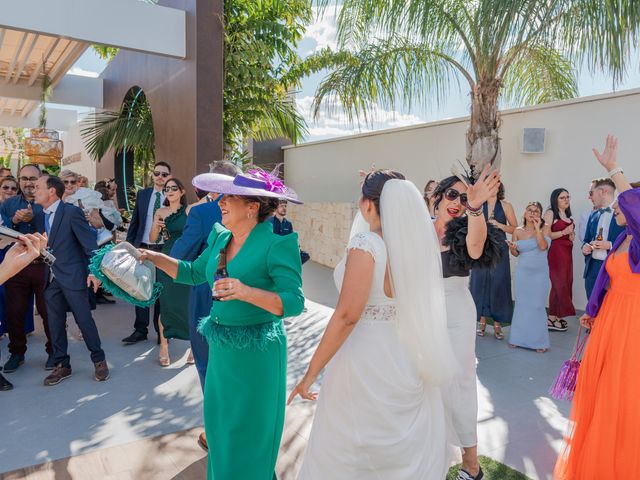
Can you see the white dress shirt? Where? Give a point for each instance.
(52, 213)
(149, 223)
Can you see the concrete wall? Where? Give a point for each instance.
(76, 157)
(327, 171)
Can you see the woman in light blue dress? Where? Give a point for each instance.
(529, 322)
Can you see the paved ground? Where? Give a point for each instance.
(141, 423)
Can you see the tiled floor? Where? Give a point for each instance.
(142, 423)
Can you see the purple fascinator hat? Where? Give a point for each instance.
(255, 182)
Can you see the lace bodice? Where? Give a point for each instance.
(379, 306)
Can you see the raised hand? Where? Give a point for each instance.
(485, 187)
(609, 156)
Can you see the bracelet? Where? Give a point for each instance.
(473, 210)
(475, 213)
(615, 171)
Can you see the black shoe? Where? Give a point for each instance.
(135, 337)
(5, 384)
(13, 363)
(51, 364)
(104, 301)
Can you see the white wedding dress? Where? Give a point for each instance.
(375, 417)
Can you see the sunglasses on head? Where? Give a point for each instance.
(69, 182)
(451, 194)
(28, 179)
(172, 188)
(163, 174)
(7, 187)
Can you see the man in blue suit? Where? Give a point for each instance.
(601, 221)
(189, 246)
(72, 243)
(147, 202)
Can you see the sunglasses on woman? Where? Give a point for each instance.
(163, 174)
(172, 188)
(70, 182)
(451, 194)
(7, 187)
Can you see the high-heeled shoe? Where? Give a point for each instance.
(163, 357)
(481, 328)
(190, 359)
(497, 332)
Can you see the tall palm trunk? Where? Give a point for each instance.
(483, 141)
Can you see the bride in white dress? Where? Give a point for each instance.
(381, 413)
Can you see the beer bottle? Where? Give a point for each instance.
(600, 237)
(221, 272)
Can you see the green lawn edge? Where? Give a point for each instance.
(493, 470)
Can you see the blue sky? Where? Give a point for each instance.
(321, 34)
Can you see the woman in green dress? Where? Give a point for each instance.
(244, 397)
(167, 227)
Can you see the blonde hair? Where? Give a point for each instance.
(69, 173)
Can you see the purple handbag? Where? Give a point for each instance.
(565, 385)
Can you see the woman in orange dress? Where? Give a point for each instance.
(604, 438)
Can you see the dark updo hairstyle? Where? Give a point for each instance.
(554, 204)
(500, 194)
(374, 183)
(442, 187)
(538, 205)
(266, 206)
(180, 185)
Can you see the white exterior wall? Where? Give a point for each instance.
(73, 147)
(327, 171)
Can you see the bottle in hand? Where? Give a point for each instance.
(600, 236)
(221, 272)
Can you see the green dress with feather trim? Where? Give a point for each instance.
(245, 387)
(174, 299)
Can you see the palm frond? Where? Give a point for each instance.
(280, 119)
(385, 72)
(127, 128)
(538, 75)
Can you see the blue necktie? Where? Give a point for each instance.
(47, 217)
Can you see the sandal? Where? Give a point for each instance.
(163, 357)
(481, 329)
(556, 325)
(497, 332)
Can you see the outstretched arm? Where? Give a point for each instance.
(358, 278)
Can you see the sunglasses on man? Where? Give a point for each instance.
(163, 174)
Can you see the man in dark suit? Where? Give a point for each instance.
(601, 221)
(72, 243)
(22, 214)
(188, 247)
(147, 202)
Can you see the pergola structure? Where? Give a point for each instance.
(48, 36)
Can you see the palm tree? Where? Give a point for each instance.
(523, 52)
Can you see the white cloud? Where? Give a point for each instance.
(322, 32)
(334, 122)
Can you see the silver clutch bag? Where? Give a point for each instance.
(121, 265)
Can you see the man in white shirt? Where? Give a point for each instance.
(147, 202)
(601, 224)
